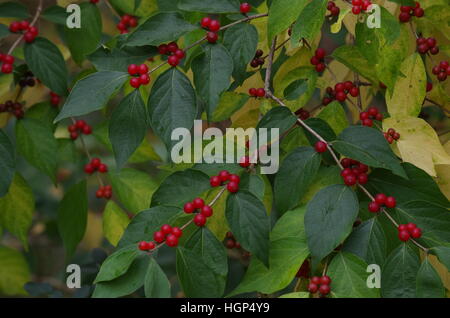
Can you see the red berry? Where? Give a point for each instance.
(350, 180)
(159, 236)
(179, 53)
(245, 7)
(314, 60)
(431, 42)
(416, 233)
(173, 60)
(418, 12)
(198, 203)
(405, 9)
(166, 229)
(346, 172)
(162, 49)
(442, 64)
(346, 162)
(14, 27)
(177, 231)
(151, 245)
(374, 207)
(339, 87)
(335, 11)
(320, 53)
(320, 146)
(364, 115)
(403, 236)
(233, 187)
(143, 69)
(402, 227)
(73, 135)
(260, 92)
(325, 280)
(341, 96)
(356, 10)
(410, 227)
(207, 211)
(380, 198)
(362, 178)
(215, 181)
(133, 69)
(200, 220)
(89, 169)
(324, 290)
(214, 25)
(135, 82)
(133, 22)
(99, 194)
(373, 111)
(171, 240)
(429, 86)
(315, 280)
(313, 288)
(87, 130)
(29, 37)
(205, 22)
(390, 202)
(354, 91)
(144, 246)
(95, 162)
(244, 162)
(379, 117)
(252, 92)
(367, 122)
(103, 168)
(7, 68)
(404, 17)
(144, 79)
(234, 178)
(442, 76)
(212, 37)
(189, 207)
(320, 67)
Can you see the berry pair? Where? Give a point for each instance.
(340, 92)
(31, 32)
(425, 45)
(302, 114)
(320, 284)
(140, 75)
(369, 116)
(79, 127)
(391, 135)
(213, 26)
(257, 60)
(406, 12)
(360, 5)
(354, 172)
(230, 241)
(334, 10)
(318, 60)
(174, 52)
(14, 108)
(381, 200)
(320, 146)
(224, 176)
(257, 92)
(7, 63)
(27, 80)
(205, 211)
(441, 71)
(406, 231)
(168, 234)
(127, 21)
(95, 165)
(245, 8)
(55, 99)
(104, 192)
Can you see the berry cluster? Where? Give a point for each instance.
(441, 71)
(95, 165)
(139, 75)
(7, 63)
(406, 231)
(14, 108)
(257, 92)
(320, 146)
(174, 52)
(340, 92)
(406, 12)
(369, 116)
(318, 60)
(360, 5)
(303, 114)
(257, 60)
(427, 44)
(391, 135)
(79, 127)
(321, 284)
(27, 80)
(381, 200)
(224, 176)
(213, 26)
(354, 172)
(55, 99)
(167, 234)
(104, 192)
(205, 211)
(334, 10)
(245, 8)
(31, 32)
(126, 22)
(230, 241)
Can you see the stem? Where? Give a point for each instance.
(269, 66)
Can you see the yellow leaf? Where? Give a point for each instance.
(336, 27)
(418, 143)
(443, 174)
(115, 222)
(14, 272)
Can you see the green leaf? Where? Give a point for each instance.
(229, 103)
(203, 254)
(398, 276)
(55, 14)
(72, 216)
(212, 71)
(325, 177)
(349, 277)
(278, 117)
(187, 184)
(368, 146)
(156, 284)
(35, 141)
(7, 164)
(334, 115)
(288, 250)
(172, 104)
(92, 93)
(43, 112)
(443, 254)
(4, 31)
(84, 40)
(17, 208)
(282, 13)
(125, 284)
(160, 28)
(241, 41)
(134, 188)
(128, 126)
(429, 283)
(13, 10)
(368, 241)
(213, 6)
(309, 22)
(296, 173)
(115, 222)
(117, 264)
(351, 57)
(47, 63)
(329, 219)
(14, 271)
(295, 295)
(144, 224)
(250, 224)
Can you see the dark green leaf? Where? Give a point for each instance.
(229, 103)
(254, 184)
(309, 22)
(329, 219)
(7, 163)
(44, 112)
(214, 6)
(156, 283)
(248, 220)
(443, 254)
(13, 10)
(282, 13)
(55, 14)
(115, 59)
(47, 63)
(160, 28)
(72, 216)
(322, 128)
(117, 263)
(398, 277)
(351, 57)
(4, 31)
(297, 88)
(296, 173)
(278, 117)
(92, 93)
(429, 283)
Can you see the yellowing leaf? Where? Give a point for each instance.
(443, 174)
(14, 272)
(114, 222)
(418, 143)
(409, 91)
(336, 27)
